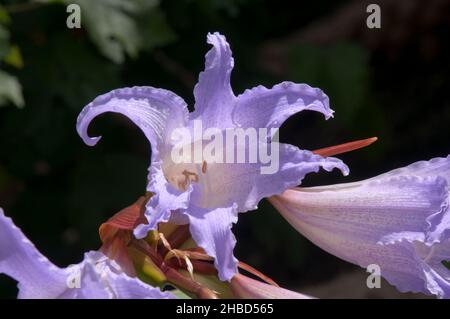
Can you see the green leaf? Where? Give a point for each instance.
(123, 28)
(341, 70)
(155, 30)
(113, 25)
(4, 41)
(14, 57)
(110, 27)
(4, 16)
(10, 90)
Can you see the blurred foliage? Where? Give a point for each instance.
(58, 191)
(123, 27)
(10, 88)
(446, 263)
(346, 80)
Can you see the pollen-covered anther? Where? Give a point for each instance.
(181, 255)
(190, 176)
(183, 181)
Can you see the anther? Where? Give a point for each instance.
(190, 176)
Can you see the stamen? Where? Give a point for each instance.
(192, 254)
(172, 275)
(189, 266)
(204, 267)
(346, 147)
(178, 254)
(189, 257)
(182, 181)
(165, 242)
(204, 167)
(167, 228)
(190, 176)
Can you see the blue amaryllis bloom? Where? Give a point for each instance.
(399, 221)
(96, 277)
(209, 196)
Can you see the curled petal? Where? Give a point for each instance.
(246, 288)
(378, 221)
(211, 230)
(263, 107)
(214, 97)
(155, 111)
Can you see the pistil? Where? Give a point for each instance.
(346, 147)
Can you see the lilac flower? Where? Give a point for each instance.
(96, 277)
(399, 220)
(209, 196)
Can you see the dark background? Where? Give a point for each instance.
(390, 82)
